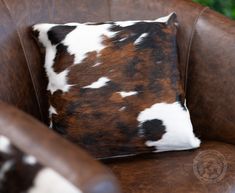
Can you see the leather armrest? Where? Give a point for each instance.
(211, 90)
(51, 150)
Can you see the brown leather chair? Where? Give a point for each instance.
(206, 42)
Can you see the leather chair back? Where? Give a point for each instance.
(206, 54)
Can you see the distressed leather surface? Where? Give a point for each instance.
(211, 78)
(16, 86)
(210, 88)
(173, 172)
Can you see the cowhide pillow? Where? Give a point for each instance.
(21, 173)
(115, 87)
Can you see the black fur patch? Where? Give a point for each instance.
(60, 127)
(180, 99)
(153, 130)
(58, 33)
(19, 177)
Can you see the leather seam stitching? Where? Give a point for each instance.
(189, 48)
(26, 58)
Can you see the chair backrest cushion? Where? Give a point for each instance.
(205, 42)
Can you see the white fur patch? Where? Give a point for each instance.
(30, 160)
(127, 94)
(96, 64)
(57, 81)
(179, 131)
(122, 109)
(49, 181)
(78, 43)
(5, 144)
(52, 110)
(126, 23)
(51, 124)
(160, 20)
(164, 19)
(101, 82)
(5, 168)
(139, 39)
(123, 39)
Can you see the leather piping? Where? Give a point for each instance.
(189, 48)
(26, 58)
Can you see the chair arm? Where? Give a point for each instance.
(211, 90)
(51, 150)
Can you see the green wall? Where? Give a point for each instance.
(226, 7)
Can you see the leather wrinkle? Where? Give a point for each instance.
(26, 58)
(189, 48)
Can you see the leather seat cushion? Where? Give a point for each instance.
(173, 172)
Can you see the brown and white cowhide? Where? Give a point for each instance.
(115, 87)
(21, 173)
